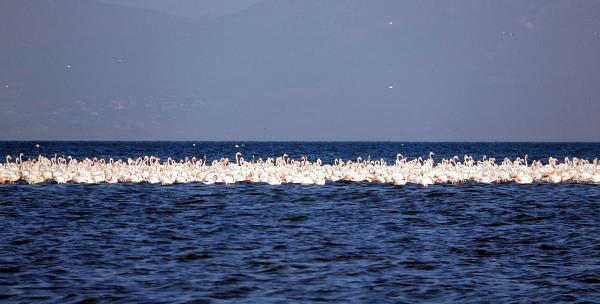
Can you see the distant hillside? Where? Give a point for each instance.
(189, 8)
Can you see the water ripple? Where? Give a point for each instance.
(259, 243)
(340, 242)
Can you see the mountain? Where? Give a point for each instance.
(302, 70)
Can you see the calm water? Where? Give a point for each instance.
(340, 242)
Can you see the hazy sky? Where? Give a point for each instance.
(414, 70)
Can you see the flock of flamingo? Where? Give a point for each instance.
(283, 170)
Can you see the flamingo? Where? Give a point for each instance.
(282, 169)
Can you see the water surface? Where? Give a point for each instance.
(342, 242)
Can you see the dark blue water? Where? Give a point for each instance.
(340, 242)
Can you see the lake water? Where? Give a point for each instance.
(342, 242)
